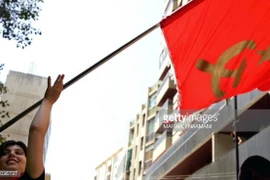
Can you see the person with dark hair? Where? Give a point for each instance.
(28, 161)
(255, 168)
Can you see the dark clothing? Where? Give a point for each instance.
(234, 140)
(26, 176)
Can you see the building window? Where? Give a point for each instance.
(149, 137)
(162, 56)
(149, 148)
(152, 101)
(138, 129)
(149, 152)
(150, 130)
(141, 143)
(140, 168)
(150, 126)
(134, 173)
(143, 123)
(109, 168)
(136, 151)
(129, 158)
(147, 164)
(131, 137)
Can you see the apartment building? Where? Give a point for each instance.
(142, 137)
(206, 153)
(148, 139)
(113, 168)
(24, 90)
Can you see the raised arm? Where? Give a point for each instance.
(39, 127)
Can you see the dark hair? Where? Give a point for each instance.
(258, 164)
(6, 144)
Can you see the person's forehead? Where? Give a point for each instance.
(13, 147)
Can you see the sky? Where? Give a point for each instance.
(90, 120)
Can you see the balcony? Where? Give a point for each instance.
(258, 144)
(143, 107)
(176, 135)
(166, 91)
(154, 88)
(185, 2)
(148, 155)
(176, 101)
(152, 112)
(147, 164)
(170, 6)
(162, 144)
(194, 138)
(131, 124)
(163, 56)
(150, 137)
(164, 64)
(166, 109)
(130, 143)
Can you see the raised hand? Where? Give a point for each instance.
(53, 92)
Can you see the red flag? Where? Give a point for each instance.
(219, 49)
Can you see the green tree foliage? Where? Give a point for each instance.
(16, 17)
(3, 104)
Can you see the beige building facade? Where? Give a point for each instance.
(113, 168)
(148, 139)
(24, 90)
(142, 136)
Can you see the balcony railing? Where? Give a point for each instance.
(131, 124)
(168, 105)
(194, 136)
(150, 137)
(167, 77)
(176, 101)
(147, 164)
(152, 111)
(161, 139)
(163, 56)
(166, 109)
(245, 149)
(154, 88)
(130, 143)
(166, 90)
(148, 155)
(161, 145)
